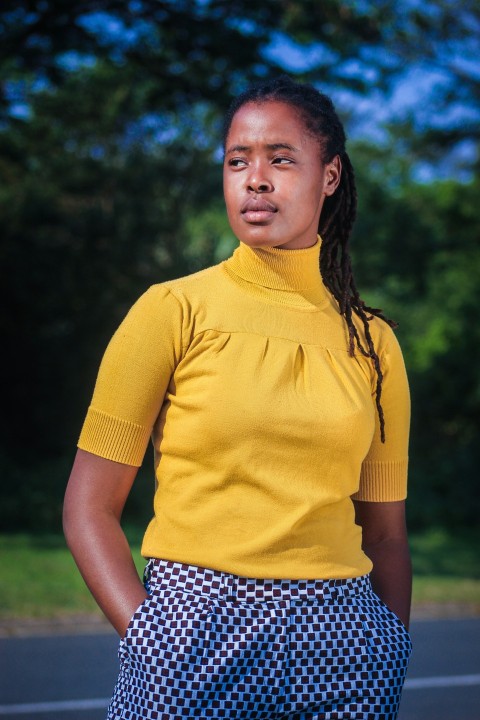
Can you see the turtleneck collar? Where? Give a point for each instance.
(291, 277)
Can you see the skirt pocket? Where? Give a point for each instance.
(395, 619)
(136, 619)
(387, 636)
(167, 628)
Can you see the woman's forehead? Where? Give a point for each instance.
(268, 122)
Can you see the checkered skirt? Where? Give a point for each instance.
(208, 644)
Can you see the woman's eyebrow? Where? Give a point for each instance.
(238, 148)
(282, 146)
(268, 146)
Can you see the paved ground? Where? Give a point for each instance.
(444, 676)
(70, 677)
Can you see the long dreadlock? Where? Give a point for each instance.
(338, 212)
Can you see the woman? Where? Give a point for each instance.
(278, 407)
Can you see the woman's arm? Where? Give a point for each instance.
(385, 542)
(96, 494)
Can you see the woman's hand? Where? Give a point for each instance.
(96, 494)
(385, 542)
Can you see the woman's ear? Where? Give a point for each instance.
(333, 173)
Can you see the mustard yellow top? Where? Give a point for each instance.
(263, 426)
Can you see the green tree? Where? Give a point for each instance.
(417, 255)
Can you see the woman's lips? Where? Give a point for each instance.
(257, 216)
(257, 211)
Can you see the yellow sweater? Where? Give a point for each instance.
(263, 427)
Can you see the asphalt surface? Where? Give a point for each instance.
(70, 677)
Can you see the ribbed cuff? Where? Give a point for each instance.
(114, 439)
(383, 481)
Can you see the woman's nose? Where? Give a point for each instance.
(259, 182)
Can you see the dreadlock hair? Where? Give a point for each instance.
(338, 212)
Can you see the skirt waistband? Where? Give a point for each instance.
(168, 575)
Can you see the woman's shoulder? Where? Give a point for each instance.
(382, 334)
(198, 284)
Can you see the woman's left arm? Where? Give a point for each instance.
(385, 542)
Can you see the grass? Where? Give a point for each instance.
(438, 591)
(446, 570)
(39, 578)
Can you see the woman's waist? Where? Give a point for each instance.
(163, 575)
(259, 549)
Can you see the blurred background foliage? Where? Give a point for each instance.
(110, 121)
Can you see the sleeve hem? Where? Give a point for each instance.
(113, 438)
(383, 481)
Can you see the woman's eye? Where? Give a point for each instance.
(281, 161)
(237, 162)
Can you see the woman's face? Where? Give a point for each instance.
(274, 179)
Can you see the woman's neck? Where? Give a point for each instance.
(291, 277)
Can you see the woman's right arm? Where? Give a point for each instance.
(96, 494)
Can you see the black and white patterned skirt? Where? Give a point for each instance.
(208, 644)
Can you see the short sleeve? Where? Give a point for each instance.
(133, 378)
(384, 470)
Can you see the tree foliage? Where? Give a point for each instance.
(417, 253)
